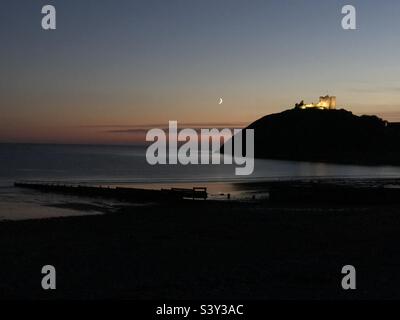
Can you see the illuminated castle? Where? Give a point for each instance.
(327, 102)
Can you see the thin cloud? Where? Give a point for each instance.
(144, 131)
(143, 128)
(180, 124)
(390, 89)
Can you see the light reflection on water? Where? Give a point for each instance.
(127, 166)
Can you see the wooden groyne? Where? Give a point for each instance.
(120, 193)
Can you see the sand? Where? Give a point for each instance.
(206, 250)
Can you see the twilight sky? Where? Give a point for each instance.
(114, 67)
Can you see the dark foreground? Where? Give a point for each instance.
(206, 250)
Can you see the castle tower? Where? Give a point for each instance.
(327, 102)
(332, 104)
(324, 102)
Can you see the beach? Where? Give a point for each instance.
(283, 233)
(206, 250)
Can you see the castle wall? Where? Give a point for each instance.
(326, 102)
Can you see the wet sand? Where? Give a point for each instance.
(206, 250)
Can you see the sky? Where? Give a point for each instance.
(114, 68)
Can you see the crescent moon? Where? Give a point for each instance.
(221, 101)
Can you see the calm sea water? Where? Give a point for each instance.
(126, 165)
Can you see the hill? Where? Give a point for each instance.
(326, 135)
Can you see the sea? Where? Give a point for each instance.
(102, 165)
